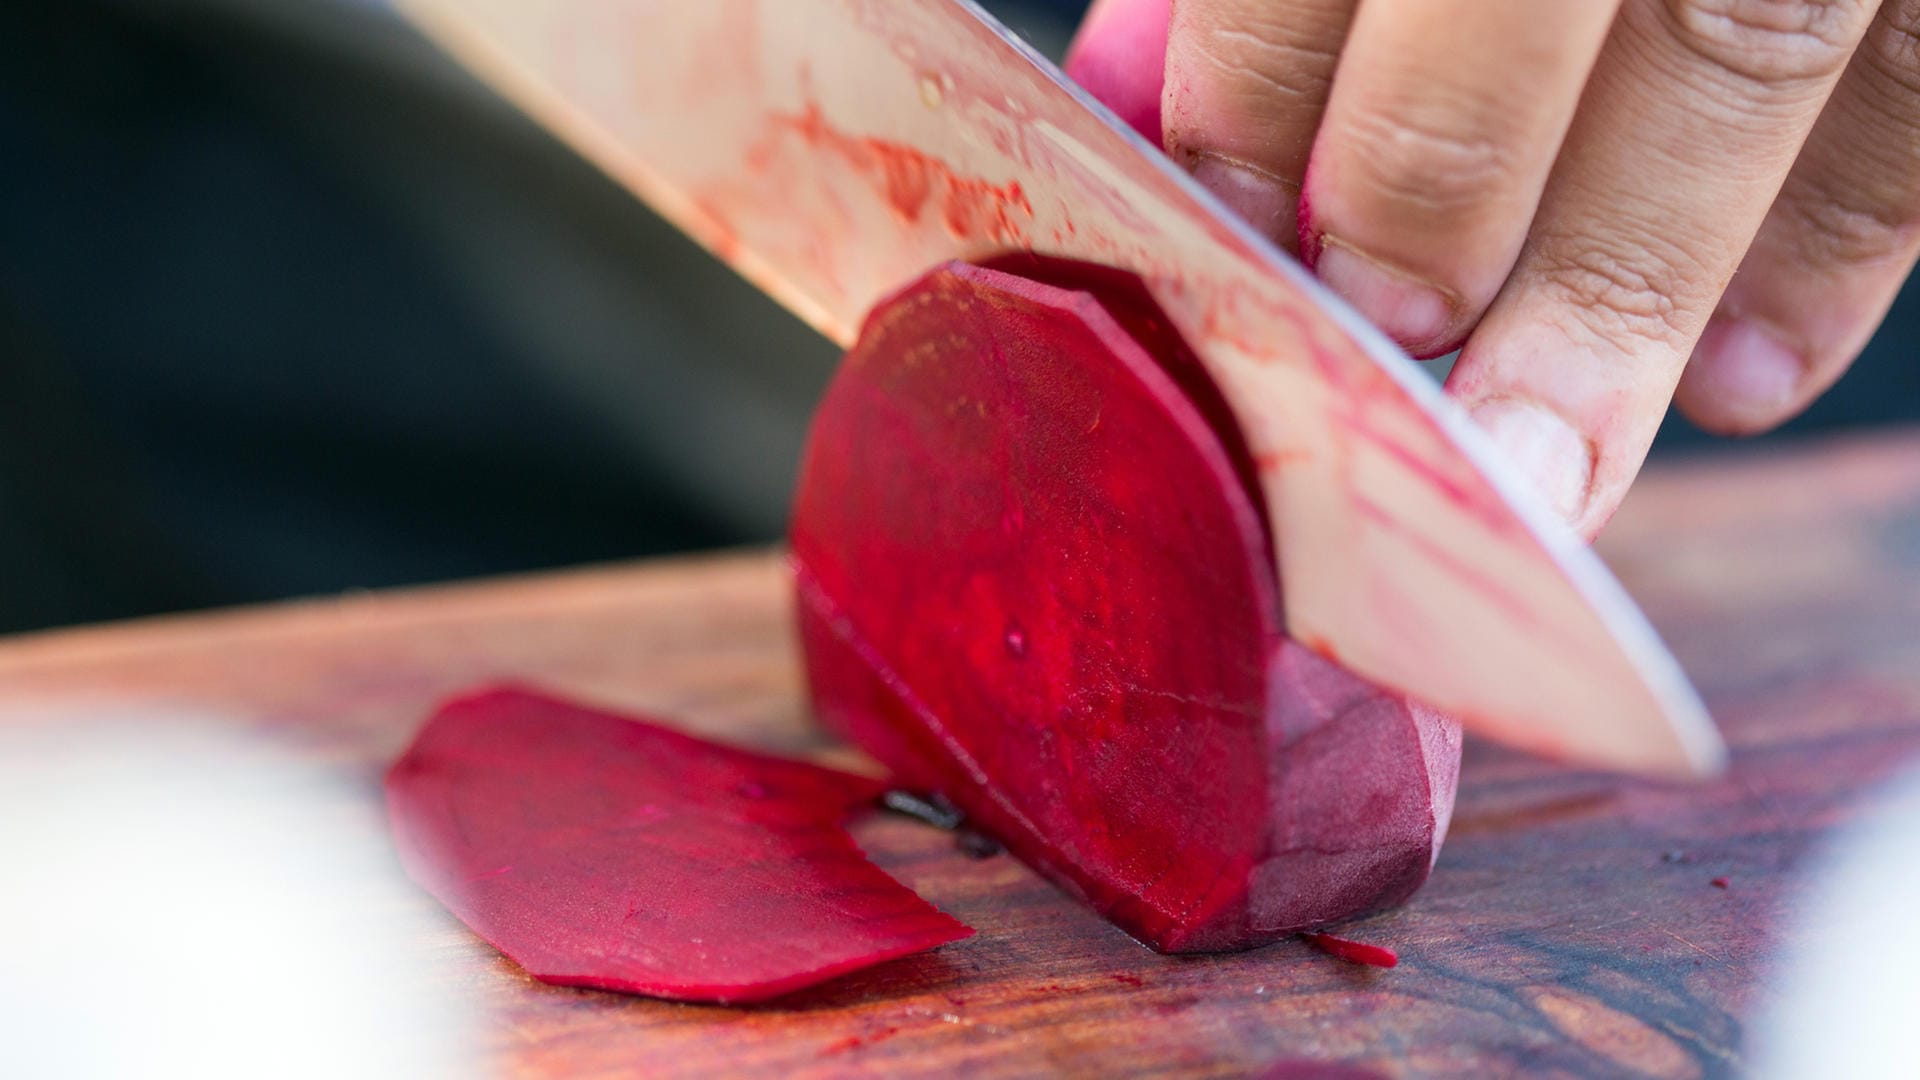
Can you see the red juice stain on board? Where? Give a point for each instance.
(841, 1046)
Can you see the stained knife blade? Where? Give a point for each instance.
(831, 151)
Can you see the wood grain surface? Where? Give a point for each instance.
(1572, 927)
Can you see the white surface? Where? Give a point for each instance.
(1851, 976)
(176, 903)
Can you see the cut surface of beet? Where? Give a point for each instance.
(598, 850)
(1034, 577)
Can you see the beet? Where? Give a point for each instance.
(1354, 952)
(1034, 578)
(600, 851)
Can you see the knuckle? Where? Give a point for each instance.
(1268, 66)
(1840, 228)
(1618, 291)
(1435, 168)
(1771, 41)
(1892, 49)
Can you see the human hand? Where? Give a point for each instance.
(1563, 189)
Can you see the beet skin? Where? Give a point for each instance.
(1034, 577)
(600, 851)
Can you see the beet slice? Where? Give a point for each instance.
(596, 850)
(1034, 577)
(1354, 952)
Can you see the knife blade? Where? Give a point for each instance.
(833, 151)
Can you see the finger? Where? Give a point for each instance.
(1119, 55)
(1246, 84)
(1835, 248)
(1695, 111)
(1436, 142)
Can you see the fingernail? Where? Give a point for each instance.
(1745, 368)
(1547, 451)
(1408, 310)
(1267, 202)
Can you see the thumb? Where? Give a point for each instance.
(1119, 56)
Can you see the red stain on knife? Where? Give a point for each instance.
(718, 231)
(912, 181)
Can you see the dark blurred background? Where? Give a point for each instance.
(288, 305)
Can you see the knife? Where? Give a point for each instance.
(832, 151)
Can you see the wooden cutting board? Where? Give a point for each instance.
(1571, 929)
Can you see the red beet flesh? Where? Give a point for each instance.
(600, 851)
(1034, 577)
(1354, 952)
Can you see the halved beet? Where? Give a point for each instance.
(1034, 577)
(596, 850)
